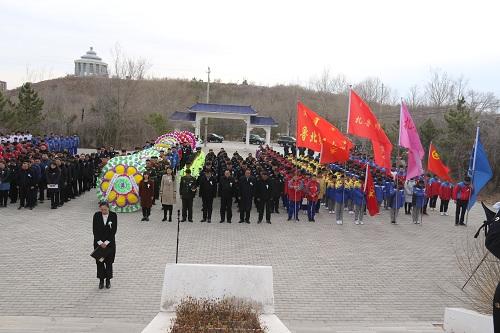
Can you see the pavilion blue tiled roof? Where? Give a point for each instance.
(262, 121)
(183, 116)
(223, 108)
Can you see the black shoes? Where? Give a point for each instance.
(204, 220)
(222, 221)
(247, 222)
(143, 219)
(268, 222)
(228, 221)
(209, 221)
(108, 283)
(241, 221)
(183, 220)
(101, 284)
(259, 222)
(190, 221)
(164, 219)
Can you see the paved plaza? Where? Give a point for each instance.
(324, 274)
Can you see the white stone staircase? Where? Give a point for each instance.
(349, 327)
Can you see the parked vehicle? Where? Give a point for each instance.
(282, 140)
(212, 137)
(255, 139)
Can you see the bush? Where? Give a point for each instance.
(480, 290)
(225, 315)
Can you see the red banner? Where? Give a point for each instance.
(436, 165)
(371, 199)
(363, 123)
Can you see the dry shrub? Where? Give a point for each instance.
(225, 315)
(480, 290)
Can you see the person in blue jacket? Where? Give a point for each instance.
(397, 200)
(379, 192)
(339, 199)
(358, 198)
(418, 200)
(388, 188)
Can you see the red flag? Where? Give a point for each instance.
(436, 165)
(371, 199)
(334, 145)
(362, 122)
(307, 133)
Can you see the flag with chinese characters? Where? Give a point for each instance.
(436, 165)
(334, 146)
(362, 122)
(408, 138)
(371, 199)
(307, 133)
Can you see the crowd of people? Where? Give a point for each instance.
(270, 180)
(38, 168)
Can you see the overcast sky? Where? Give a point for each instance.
(266, 42)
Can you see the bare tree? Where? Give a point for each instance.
(482, 102)
(373, 90)
(414, 98)
(440, 90)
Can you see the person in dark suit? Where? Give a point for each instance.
(208, 190)
(263, 196)
(104, 228)
(246, 191)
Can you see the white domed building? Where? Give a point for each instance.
(90, 65)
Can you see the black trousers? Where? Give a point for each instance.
(433, 201)
(226, 208)
(187, 208)
(460, 211)
(275, 204)
(167, 209)
(264, 205)
(41, 188)
(104, 270)
(208, 204)
(4, 195)
(146, 211)
(54, 197)
(81, 187)
(443, 206)
(26, 197)
(496, 310)
(408, 208)
(245, 211)
(13, 193)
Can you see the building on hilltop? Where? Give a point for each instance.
(90, 65)
(3, 86)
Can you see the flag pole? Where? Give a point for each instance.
(397, 167)
(473, 171)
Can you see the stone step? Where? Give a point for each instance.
(32, 324)
(349, 327)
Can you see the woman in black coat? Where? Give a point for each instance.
(104, 229)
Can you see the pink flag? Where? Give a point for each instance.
(408, 138)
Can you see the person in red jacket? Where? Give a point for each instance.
(461, 195)
(445, 191)
(295, 193)
(435, 185)
(312, 193)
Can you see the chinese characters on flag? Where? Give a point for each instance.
(362, 122)
(316, 133)
(371, 199)
(436, 165)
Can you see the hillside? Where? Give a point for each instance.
(66, 97)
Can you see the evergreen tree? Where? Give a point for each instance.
(28, 110)
(459, 137)
(428, 132)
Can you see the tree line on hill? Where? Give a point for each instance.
(126, 110)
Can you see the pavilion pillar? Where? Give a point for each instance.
(268, 135)
(197, 125)
(247, 136)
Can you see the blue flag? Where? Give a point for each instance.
(479, 170)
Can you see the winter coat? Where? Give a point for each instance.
(146, 193)
(167, 190)
(409, 190)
